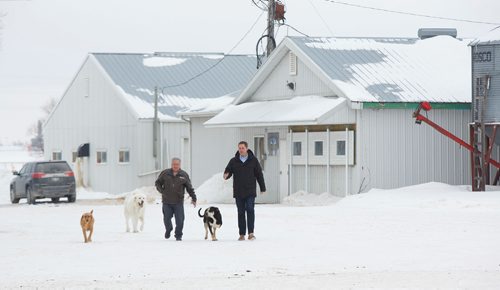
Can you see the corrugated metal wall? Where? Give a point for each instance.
(306, 83)
(393, 151)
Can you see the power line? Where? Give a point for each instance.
(411, 13)
(288, 25)
(321, 17)
(219, 61)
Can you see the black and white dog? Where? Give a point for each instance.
(212, 219)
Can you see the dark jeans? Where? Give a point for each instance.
(169, 210)
(246, 205)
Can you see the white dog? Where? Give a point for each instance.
(135, 205)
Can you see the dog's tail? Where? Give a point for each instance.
(199, 213)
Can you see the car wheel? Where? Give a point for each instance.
(29, 196)
(55, 199)
(71, 198)
(13, 198)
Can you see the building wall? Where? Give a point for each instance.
(306, 83)
(318, 179)
(91, 111)
(212, 148)
(170, 138)
(393, 151)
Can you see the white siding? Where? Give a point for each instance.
(318, 179)
(212, 148)
(306, 83)
(393, 151)
(101, 119)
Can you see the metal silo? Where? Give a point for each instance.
(485, 126)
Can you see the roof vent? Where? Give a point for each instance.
(424, 33)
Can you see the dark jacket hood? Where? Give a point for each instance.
(250, 154)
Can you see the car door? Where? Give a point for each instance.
(18, 182)
(25, 178)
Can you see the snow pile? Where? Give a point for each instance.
(215, 190)
(303, 198)
(156, 61)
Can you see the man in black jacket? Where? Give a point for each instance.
(246, 170)
(171, 184)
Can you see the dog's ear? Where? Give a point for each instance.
(92, 211)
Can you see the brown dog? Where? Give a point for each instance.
(87, 223)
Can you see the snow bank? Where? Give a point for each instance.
(303, 198)
(215, 190)
(427, 196)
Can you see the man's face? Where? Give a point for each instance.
(242, 149)
(176, 165)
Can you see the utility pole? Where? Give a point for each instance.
(271, 8)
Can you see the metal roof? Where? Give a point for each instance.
(136, 75)
(436, 69)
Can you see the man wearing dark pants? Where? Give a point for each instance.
(171, 183)
(246, 172)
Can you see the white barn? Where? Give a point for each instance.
(109, 105)
(297, 108)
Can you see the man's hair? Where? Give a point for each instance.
(176, 159)
(244, 143)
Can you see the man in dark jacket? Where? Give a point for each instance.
(171, 183)
(246, 170)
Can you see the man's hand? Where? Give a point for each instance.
(262, 192)
(226, 175)
(193, 202)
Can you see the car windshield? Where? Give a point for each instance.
(56, 167)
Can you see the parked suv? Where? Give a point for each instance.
(44, 179)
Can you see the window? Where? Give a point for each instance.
(102, 157)
(56, 155)
(297, 148)
(273, 144)
(318, 148)
(341, 148)
(124, 156)
(74, 155)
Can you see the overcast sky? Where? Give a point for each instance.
(45, 42)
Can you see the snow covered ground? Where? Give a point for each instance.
(427, 236)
